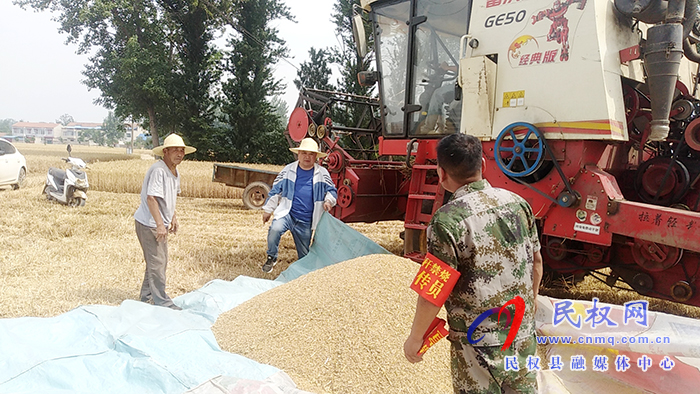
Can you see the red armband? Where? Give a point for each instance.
(435, 280)
(435, 332)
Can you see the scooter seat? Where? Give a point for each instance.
(58, 174)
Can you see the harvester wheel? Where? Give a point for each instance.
(681, 291)
(654, 186)
(692, 135)
(517, 155)
(655, 257)
(631, 98)
(311, 130)
(298, 124)
(255, 194)
(336, 161)
(345, 196)
(321, 131)
(642, 283)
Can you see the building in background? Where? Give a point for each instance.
(49, 133)
(71, 132)
(39, 132)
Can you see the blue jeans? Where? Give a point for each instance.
(301, 232)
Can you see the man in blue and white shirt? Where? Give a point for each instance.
(299, 195)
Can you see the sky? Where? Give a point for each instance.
(40, 75)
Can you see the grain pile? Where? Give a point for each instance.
(339, 330)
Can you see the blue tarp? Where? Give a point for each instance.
(140, 348)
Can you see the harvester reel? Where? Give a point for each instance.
(517, 155)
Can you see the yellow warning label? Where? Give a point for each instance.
(513, 99)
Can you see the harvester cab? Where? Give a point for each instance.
(585, 108)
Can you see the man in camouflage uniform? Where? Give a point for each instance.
(489, 236)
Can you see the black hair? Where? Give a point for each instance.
(460, 156)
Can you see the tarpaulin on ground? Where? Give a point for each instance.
(334, 241)
(140, 348)
(133, 348)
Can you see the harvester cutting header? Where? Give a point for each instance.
(586, 108)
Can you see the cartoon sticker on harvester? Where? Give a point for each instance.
(559, 31)
(521, 45)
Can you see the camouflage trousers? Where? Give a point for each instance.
(481, 370)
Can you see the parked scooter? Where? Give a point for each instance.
(67, 186)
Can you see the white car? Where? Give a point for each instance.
(13, 166)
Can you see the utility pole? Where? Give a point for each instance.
(131, 128)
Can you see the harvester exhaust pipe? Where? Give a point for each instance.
(662, 58)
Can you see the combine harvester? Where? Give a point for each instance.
(586, 108)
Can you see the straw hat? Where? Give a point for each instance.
(309, 145)
(173, 141)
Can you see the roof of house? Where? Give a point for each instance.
(35, 124)
(84, 124)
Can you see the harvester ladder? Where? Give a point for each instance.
(420, 208)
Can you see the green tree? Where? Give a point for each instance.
(151, 59)
(130, 44)
(92, 135)
(6, 125)
(65, 119)
(195, 24)
(280, 106)
(112, 129)
(252, 132)
(315, 73)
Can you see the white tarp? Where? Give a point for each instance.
(140, 348)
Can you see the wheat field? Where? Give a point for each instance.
(55, 258)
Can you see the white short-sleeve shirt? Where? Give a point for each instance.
(162, 184)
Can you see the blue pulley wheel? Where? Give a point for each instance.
(517, 154)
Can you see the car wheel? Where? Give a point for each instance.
(21, 179)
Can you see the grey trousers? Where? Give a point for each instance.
(156, 255)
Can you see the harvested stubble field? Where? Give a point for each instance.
(55, 258)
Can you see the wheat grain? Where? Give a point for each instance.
(339, 330)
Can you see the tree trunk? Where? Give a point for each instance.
(152, 123)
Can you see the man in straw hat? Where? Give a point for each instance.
(155, 217)
(299, 195)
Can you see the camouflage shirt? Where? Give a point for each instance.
(489, 235)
